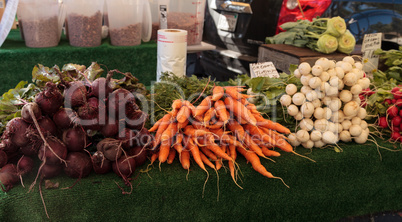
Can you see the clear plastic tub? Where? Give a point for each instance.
(40, 23)
(127, 26)
(84, 22)
(181, 14)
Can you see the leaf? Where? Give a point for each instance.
(93, 72)
(256, 83)
(41, 75)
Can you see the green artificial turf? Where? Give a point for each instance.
(17, 61)
(354, 182)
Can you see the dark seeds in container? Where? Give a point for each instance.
(85, 31)
(126, 36)
(41, 33)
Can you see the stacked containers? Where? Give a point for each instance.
(40, 22)
(84, 22)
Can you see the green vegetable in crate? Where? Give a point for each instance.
(327, 44)
(346, 43)
(336, 26)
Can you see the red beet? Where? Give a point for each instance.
(111, 148)
(25, 165)
(17, 129)
(91, 113)
(124, 167)
(75, 95)
(8, 176)
(47, 126)
(75, 139)
(110, 129)
(64, 118)
(128, 138)
(79, 165)
(50, 171)
(50, 100)
(101, 88)
(30, 109)
(32, 148)
(140, 155)
(121, 102)
(136, 119)
(3, 158)
(7, 146)
(58, 147)
(100, 164)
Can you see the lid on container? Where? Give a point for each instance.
(146, 22)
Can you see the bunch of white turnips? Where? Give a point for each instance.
(327, 107)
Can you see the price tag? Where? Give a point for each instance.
(371, 42)
(8, 19)
(227, 21)
(265, 69)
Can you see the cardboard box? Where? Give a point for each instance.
(2, 8)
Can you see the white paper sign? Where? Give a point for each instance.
(7, 20)
(264, 69)
(371, 42)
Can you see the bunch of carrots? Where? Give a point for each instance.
(221, 126)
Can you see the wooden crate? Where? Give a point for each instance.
(282, 56)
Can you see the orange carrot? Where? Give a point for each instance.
(195, 152)
(170, 132)
(164, 151)
(231, 140)
(177, 104)
(191, 131)
(190, 106)
(158, 123)
(217, 93)
(209, 115)
(232, 92)
(235, 127)
(172, 154)
(252, 145)
(255, 162)
(258, 133)
(178, 147)
(183, 114)
(270, 132)
(154, 157)
(221, 110)
(162, 127)
(185, 159)
(232, 153)
(239, 110)
(182, 125)
(270, 124)
(217, 125)
(206, 161)
(208, 153)
(268, 152)
(215, 149)
(205, 105)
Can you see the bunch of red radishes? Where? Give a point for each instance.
(393, 118)
(62, 125)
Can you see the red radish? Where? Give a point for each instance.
(388, 101)
(382, 122)
(57, 156)
(64, 118)
(124, 167)
(79, 165)
(395, 128)
(49, 171)
(75, 139)
(100, 164)
(25, 112)
(397, 94)
(398, 102)
(395, 136)
(392, 111)
(49, 100)
(3, 158)
(393, 101)
(396, 121)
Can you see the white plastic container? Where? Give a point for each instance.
(129, 22)
(40, 22)
(84, 22)
(181, 14)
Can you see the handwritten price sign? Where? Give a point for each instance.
(265, 69)
(371, 42)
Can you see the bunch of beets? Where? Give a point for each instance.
(62, 125)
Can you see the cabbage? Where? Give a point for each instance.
(346, 43)
(336, 26)
(327, 44)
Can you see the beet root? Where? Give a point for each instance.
(75, 95)
(49, 171)
(100, 164)
(65, 118)
(17, 129)
(75, 139)
(111, 148)
(31, 149)
(101, 87)
(30, 109)
(8, 147)
(121, 102)
(79, 165)
(8, 176)
(58, 155)
(91, 113)
(124, 167)
(140, 155)
(3, 158)
(110, 129)
(49, 100)
(25, 165)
